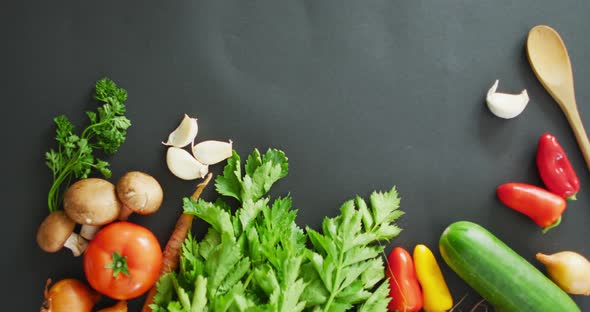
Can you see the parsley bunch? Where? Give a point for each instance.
(256, 258)
(74, 157)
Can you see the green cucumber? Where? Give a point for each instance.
(498, 273)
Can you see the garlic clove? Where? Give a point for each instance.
(505, 105)
(183, 165)
(212, 152)
(184, 134)
(569, 270)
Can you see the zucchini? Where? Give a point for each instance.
(498, 273)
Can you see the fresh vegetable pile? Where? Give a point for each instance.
(74, 157)
(257, 258)
(122, 260)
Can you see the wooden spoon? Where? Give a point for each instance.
(550, 62)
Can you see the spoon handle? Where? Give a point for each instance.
(573, 117)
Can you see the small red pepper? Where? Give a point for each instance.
(404, 289)
(555, 169)
(542, 206)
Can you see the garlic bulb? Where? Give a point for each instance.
(569, 270)
(506, 105)
(212, 152)
(184, 134)
(183, 165)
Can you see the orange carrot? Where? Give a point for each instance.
(171, 253)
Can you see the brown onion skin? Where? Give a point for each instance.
(69, 295)
(120, 306)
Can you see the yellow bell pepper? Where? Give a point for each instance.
(437, 297)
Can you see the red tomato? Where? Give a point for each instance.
(123, 260)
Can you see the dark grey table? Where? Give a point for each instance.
(361, 95)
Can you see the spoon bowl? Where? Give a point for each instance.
(550, 61)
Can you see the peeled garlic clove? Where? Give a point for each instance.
(212, 152)
(183, 165)
(506, 105)
(184, 134)
(569, 270)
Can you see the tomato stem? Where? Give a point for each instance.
(119, 265)
(573, 197)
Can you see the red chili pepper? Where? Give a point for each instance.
(542, 206)
(555, 168)
(404, 289)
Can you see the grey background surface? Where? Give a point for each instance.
(361, 95)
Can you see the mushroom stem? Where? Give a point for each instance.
(125, 213)
(88, 231)
(76, 243)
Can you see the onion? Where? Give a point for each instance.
(569, 270)
(69, 295)
(121, 306)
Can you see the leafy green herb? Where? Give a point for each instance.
(74, 157)
(346, 263)
(257, 259)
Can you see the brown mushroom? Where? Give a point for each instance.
(91, 202)
(57, 231)
(140, 193)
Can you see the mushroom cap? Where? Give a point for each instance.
(54, 231)
(140, 192)
(92, 201)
